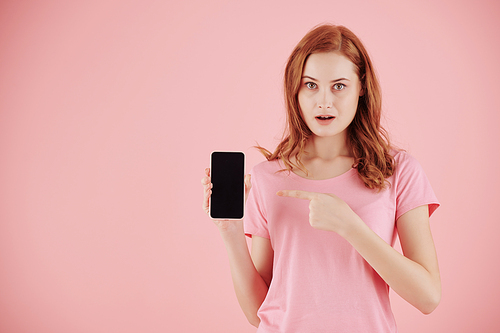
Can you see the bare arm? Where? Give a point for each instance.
(414, 275)
(249, 285)
(251, 274)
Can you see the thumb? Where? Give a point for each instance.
(248, 185)
(248, 182)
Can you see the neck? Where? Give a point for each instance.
(327, 148)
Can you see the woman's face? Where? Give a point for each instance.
(329, 93)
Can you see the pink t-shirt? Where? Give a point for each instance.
(320, 283)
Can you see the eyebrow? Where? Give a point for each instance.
(336, 80)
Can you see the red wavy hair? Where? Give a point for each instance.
(367, 139)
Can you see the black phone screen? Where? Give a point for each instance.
(227, 171)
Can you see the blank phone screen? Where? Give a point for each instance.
(228, 192)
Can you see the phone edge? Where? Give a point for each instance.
(244, 173)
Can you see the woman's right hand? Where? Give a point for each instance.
(250, 286)
(207, 189)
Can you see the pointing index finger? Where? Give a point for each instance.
(297, 194)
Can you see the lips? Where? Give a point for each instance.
(325, 119)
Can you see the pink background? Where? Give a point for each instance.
(108, 113)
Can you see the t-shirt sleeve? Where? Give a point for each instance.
(255, 222)
(413, 188)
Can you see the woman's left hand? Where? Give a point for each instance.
(326, 211)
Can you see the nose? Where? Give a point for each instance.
(325, 100)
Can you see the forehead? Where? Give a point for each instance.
(329, 65)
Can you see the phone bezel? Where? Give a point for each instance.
(244, 172)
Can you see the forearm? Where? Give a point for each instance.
(407, 278)
(249, 286)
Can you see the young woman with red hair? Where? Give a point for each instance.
(323, 211)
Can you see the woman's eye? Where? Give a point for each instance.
(311, 85)
(338, 86)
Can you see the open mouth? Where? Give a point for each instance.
(324, 117)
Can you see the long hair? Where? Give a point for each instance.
(366, 138)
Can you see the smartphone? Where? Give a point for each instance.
(227, 170)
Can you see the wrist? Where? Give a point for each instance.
(353, 229)
(230, 228)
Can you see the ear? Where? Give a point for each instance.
(361, 91)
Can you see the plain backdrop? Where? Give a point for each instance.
(109, 111)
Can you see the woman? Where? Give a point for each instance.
(336, 170)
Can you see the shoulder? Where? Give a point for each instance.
(404, 161)
(264, 180)
(266, 168)
(267, 174)
(407, 169)
(400, 155)
(411, 184)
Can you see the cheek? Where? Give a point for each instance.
(302, 105)
(304, 102)
(349, 105)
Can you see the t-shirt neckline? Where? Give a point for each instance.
(348, 173)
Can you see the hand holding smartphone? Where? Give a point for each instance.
(227, 201)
